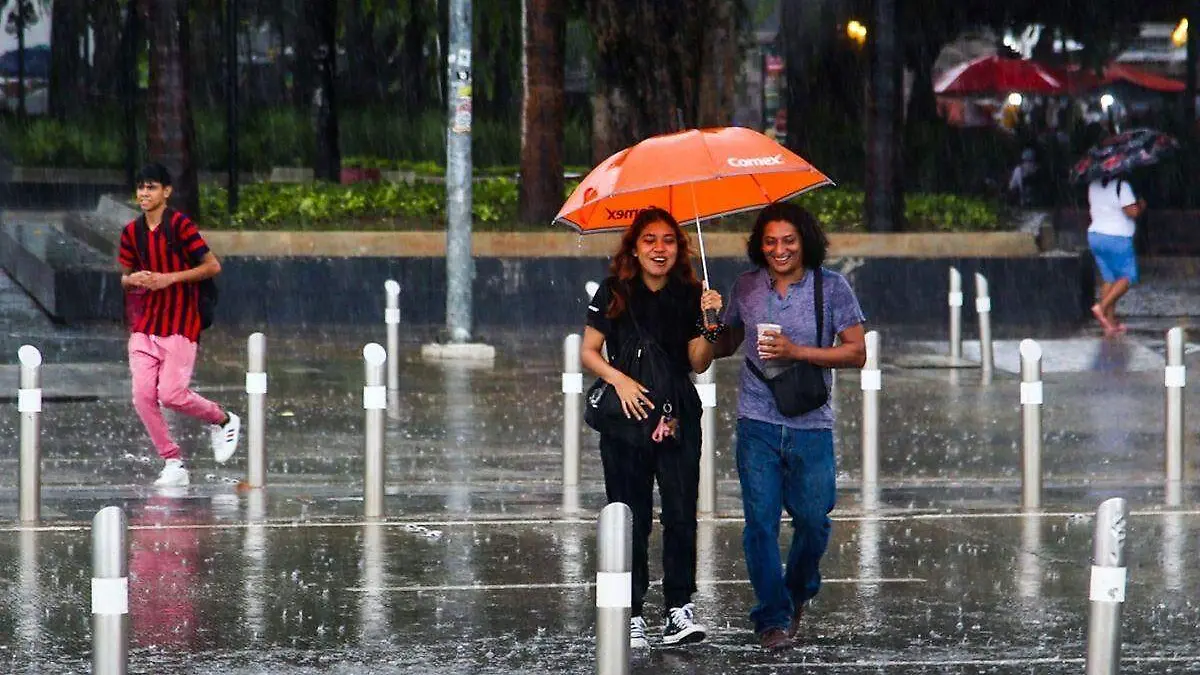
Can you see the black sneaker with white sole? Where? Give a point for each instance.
(681, 628)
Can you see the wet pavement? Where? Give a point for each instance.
(479, 568)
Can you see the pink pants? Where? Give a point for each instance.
(162, 369)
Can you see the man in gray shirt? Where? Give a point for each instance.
(787, 462)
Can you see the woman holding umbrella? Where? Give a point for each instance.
(652, 295)
(1114, 211)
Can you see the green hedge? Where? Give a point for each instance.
(277, 137)
(421, 206)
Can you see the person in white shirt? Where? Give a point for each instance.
(1114, 210)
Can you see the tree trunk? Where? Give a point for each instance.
(22, 23)
(106, 61)
(170, 131)
(324, 100)
(885, 191)
(545, 32)
(417, 77)
(922, 103)
(718, 77)
(66, 94)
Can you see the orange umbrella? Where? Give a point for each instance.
(695, 175)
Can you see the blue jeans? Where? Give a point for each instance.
(793, 469)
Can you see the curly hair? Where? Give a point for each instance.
(625, 265)
(813, 242)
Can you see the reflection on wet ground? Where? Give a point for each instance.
(479, 569)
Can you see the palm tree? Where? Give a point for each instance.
(884, 180)
(169, 128)
(545, 29)
(323, 23)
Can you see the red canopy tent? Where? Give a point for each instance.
(998, 75)
(1114, 73)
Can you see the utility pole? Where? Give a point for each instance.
(460, 269)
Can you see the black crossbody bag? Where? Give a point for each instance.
(801, 388)
(645, 360)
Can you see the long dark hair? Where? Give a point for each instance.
(625, 264)
(813, 242)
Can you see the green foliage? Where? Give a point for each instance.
(371, 137)
(94, 143)
(421, 206)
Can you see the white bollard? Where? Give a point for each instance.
(955, 301)
(375, 405)
(706, 388)
(1031, 411)
(872, 383)
(614, 589)
(983, 307)
(392, 319)
(572, 389)
(1107, 589)
(256, 410)
(1175, 380)
(29, 405)
(110, 593)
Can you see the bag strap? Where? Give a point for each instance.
(141, 242)
(754, 369)
(818, 309)
(819, 303)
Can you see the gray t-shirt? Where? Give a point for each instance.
(753, 301)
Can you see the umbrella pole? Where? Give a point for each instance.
(710, 316)
(700, 237)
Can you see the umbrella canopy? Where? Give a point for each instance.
(997, 75)
(1116, 73)
(1119, 154)
(695, 174)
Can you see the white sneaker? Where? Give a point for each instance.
(637, 633)
(680, 627)
(225, 438)
(173, 474)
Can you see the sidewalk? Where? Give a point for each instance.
(479, 570)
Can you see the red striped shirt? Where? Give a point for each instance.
(174, 310)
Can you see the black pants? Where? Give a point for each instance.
(629, 475)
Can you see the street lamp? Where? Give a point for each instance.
(1179, 36)
(857, 31)
(1015, 99)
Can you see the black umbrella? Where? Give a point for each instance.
(1122, 153)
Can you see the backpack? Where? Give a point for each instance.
(209, 295)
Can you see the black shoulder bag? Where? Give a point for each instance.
(801, 388)
(645, 360)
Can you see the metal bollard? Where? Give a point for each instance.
(256, 410)
(1176, 379)
(392, 319)
(1107, 589)
(983, 307)
(110, 593)
(1031, 410)
(572, 389)
(706, 388)
(29, 405)
(375, 405)
(614, 589)
(872, 382)
(956, 301)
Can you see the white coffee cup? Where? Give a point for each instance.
(764, 328)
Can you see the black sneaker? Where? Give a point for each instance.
(680, 628)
